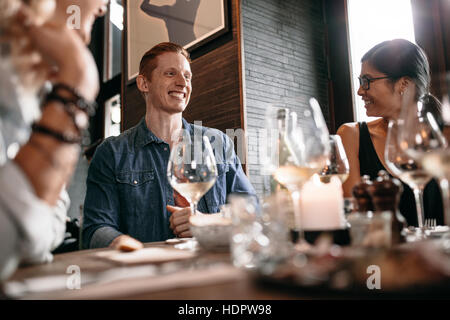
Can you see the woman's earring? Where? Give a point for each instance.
(401, 93)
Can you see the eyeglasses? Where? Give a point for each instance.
(365, 81)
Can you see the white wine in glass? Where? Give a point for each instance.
(422, 136)
(407, 169)
(437, 163)
(302, 150)
(192, 169)
(192, 191)
(292, 176)
(337, 162)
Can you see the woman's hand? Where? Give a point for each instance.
(64, 50)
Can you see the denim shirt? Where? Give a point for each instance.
(128, 189)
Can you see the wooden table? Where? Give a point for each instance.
(238, 285)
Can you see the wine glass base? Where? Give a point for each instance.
(190, 244)
(302, 246)
(415, 234)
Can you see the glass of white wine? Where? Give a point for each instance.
(192, 169)
(302, 150)
(422, 135)
(405, 168)
(337, 162)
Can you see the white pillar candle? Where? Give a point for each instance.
(322, 205)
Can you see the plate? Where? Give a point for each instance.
(422, 272)
(438, 231)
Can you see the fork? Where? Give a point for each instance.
(430, 224)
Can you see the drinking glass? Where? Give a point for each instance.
(422, 130)
(405, 168)
(301, 149)
(192, 169)
(337, 162)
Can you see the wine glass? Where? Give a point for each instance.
(405, 168)
(337, 162)
(301, 149)
(421, 135)
(192, 169)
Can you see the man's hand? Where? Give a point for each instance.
(179, 221)
(126, 243)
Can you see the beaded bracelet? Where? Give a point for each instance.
(75, 106)
(87, 106)
(63, 137)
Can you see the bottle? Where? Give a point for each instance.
(278, 179)
(361, 194)
(281, 152)
(360, 219)
(285, 154)
(385, 193)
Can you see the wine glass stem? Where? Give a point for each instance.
(444, 185)
(295, 194)
(194, 208)
(418, 195)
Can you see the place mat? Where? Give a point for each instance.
(122, 288)
(145, 255)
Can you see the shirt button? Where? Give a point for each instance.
(165, 148)
(135, 182)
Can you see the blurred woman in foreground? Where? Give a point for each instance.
(39, 139)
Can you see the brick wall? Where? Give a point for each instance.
(284, 56)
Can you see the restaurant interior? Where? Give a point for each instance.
(255, 64)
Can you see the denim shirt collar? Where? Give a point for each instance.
(145, 136)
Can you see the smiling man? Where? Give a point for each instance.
(128, 194)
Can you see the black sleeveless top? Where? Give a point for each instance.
(370, 164)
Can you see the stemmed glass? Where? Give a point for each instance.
(337, 162)
(405, 168)
(422, 136)
(301, 150)
(192, 169)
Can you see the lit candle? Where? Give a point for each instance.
(322, 205)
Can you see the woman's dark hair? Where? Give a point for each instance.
(400, 58)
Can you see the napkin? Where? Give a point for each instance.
(146, 255)
(141, 285)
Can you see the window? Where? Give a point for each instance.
(113, 40)
(112, 116)
(371, 22)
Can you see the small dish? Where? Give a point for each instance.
(212, 231)
(176, 240)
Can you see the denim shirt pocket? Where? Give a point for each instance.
(135, 178)
(135, 190)
(217, 195)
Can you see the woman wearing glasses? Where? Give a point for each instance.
(386, 70)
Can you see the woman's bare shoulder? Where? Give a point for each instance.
(348, 129)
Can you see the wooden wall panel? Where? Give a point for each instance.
(432, 32)
(339, 77)
(216, 98)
